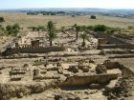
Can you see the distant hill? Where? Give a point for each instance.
(80, 11)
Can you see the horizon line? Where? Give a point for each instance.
(67, 8)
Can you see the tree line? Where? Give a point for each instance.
(47, 13)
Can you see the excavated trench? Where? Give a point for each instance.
(9, 90)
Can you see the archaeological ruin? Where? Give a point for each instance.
(89, 68)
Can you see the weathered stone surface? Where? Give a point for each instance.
(111, 65)
(85, 69)
(60, 70)
(2, 67)
(15, 71)
(66, 96)
(123, 88)
(52, 67)
(101, 69)
(36, 73)
(77, 80)
(84, 66)
(73, 68)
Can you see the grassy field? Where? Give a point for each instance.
(34, 20)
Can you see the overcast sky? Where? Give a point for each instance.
(13, 4)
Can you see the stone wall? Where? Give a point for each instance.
(84, 80)
(126, 72)
(116, 46)
(78, 80)
(33, 50)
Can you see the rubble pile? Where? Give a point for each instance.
(124, 88)
(66, 96)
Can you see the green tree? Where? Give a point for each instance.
(77, 30)
(84, 37)
(51, 32)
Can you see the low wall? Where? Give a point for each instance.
(100, 78)
(38, 49)
(130, 46)
(84, 80)
(33, 50)
(126, 72)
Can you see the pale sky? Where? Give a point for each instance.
(17, 4)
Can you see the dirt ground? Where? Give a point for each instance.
(55, 69)
(33, 20)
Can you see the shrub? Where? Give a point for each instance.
(37, 28)
(100, 28)
(2, 19)
(2, 30)
(90, 27)
(13, 29)
(93, 17)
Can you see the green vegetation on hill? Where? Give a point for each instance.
(12, 30)
(37, 28)
(95, 28)
(25, 20)
(103, 24)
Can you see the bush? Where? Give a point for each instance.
(90, 27)
(97, 28)
(93, 17)
(13, 29)
(2, 30)
(37, 28)
(100, 28)
(2, 19)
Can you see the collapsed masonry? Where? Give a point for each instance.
(37, 42)
(41, 77)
